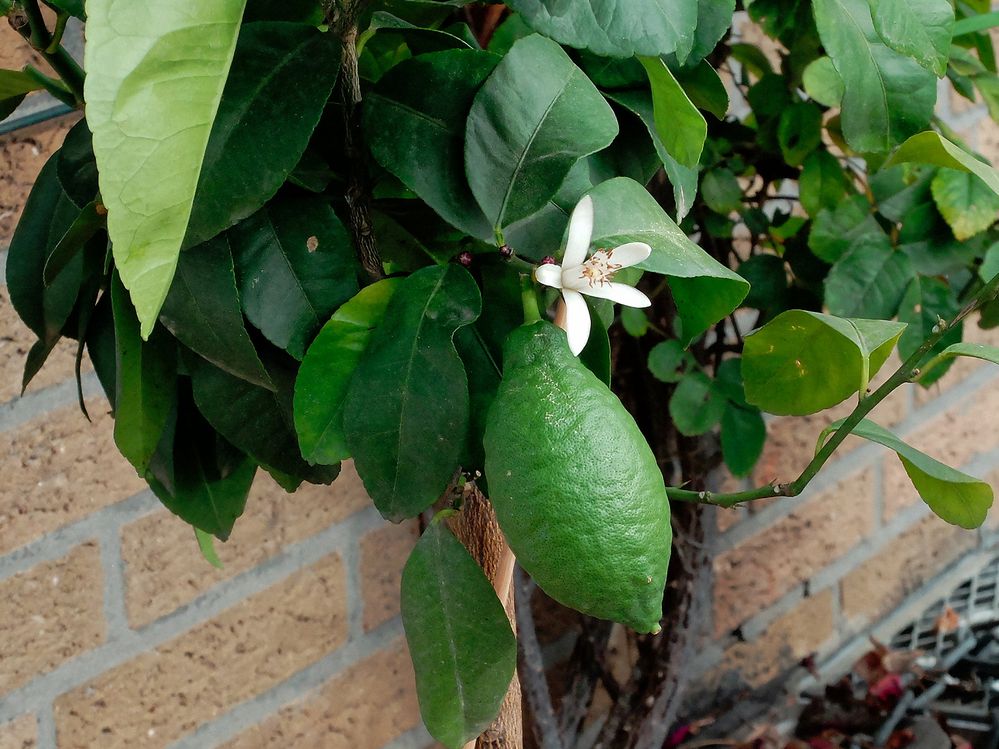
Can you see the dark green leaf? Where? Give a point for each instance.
(90, 221)
(145, 390)
(77, 168)
(406, 413)
(823, 82)
(421, 139)
(696, 407)
(280, 79)
(295, 264)
(666, 361)
(608, 27)
(634, 321)
(73, 7)
(326, 371)
(463, 650)
(714, 17)
(920, 29)
(535, 117)
(721, 191)
(869, 281)
(887, 96)
(927, 303)
(956, 497)
(705, 88)
(932, 148)
(835, 231)
(799, 131)
(743, 434)
(203, 311)
(703, 289)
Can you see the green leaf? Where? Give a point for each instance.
(695, 406)
(206, 545)
(920, 29)
(295, 264)
(966, 202)
(705, 88)
(616, 28)
(714, 17)
(281, 76)
(406, 412)
(326, 371)
(704, 290)
(681, 127)
(976, 23)
(933, 148)
(823, 182)
(683, 179)
(77, 236)
(77, 168)
(463, 650)
(721, 191)
(799, 131)
(954, 496)
(743, 434)
(197, 475)
(868, 281)
(804, 362)
(14, 83)
(145, 391)
(73, 7)
(667, 360)
(516, 157)
(971, 350)
(269, 436)
(823, 82)
(203, 312)
(421, 139)
(634, 321)
(419, 39)
(989, 268)
(887, 97)
(835, 232)
(927, 302)
(150, 147)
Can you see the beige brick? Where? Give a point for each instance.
(883, 581)
(20, 733)
(383, 555)
(15, 342)
(759, 571)
(727, 517)
(168, 692)
(59, 469)
(15, 52)
(366, 707)
(955, 437)
(785, 642)
(23, 153)
(165, 570)
(52, 612)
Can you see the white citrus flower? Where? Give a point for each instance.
(594, 276)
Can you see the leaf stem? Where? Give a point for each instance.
(37, 34)
(529, 299)
(907, 372)
(52, 85)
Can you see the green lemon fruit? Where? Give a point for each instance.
(575, 485)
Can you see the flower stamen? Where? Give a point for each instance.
(599, 270)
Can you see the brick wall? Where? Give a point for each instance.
(116, 633)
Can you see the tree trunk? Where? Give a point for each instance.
(476, 527)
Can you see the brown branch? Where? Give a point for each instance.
(532, 668)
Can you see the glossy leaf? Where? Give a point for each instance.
(532, 120)
(77, 167)
(463, 650)
(887, 96)
(966, 202)
(714, 17)
(421, 139)
(406, 413)
(295, 264)
(695, 406)
(608, 27)
(281, 76)
(970, 350)
(823, 82)
(681, 127)
(704, 290)
(80, 232)
(151, 118)
(15, 84)
(849, 224)
(920, 29)
(666, 361)
(803, 362)
(933, 148)
(269, 436)
(743, 434)
(822, 183)
(326, 371)
(954, 496)
(145, 390)
(203, 312)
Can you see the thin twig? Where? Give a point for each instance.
(532, 669)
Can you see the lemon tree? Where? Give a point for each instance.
(520, 256)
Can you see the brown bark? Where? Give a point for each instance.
(476, 527)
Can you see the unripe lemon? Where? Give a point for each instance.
(575, 485)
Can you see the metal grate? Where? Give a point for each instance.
(975, 601)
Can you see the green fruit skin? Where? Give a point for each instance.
(575, 485)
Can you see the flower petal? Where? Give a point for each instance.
(630, 254)
(577, 320)
(549, 275)
(580, 233)
(621, 293)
